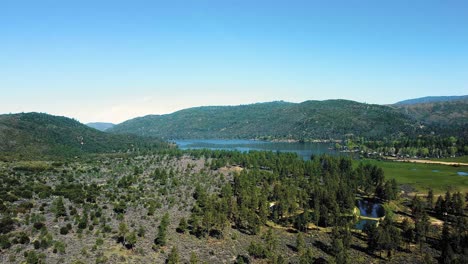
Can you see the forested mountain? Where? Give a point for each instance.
(276, 120)
(444, 113)
(432, 99)
(100, 125)
(448, 117)
(39, 135)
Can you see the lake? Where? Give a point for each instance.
(304, 150)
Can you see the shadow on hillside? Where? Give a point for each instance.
(364, 250)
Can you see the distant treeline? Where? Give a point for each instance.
(423, 146)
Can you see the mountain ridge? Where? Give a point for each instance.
(327, 119)
(38, 135)
(432, 99)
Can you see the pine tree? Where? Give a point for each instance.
(300, 243)
(131, 240)
(59, 207)
(173, 257)
(182, 225)
(193, 258)
(123, 230)
(307, 257)
(162, 229)
(339, 251)
(430, 199)
(408, 234)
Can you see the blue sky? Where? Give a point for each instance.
(114, 60)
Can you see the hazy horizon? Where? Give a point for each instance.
(110, 61)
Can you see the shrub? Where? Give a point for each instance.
(64, 230)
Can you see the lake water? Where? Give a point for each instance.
(369, 209)
(462, 173)
(304, 150)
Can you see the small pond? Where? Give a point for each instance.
(369, 209)
(462, 173)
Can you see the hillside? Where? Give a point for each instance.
(432, 99)
(449, 117)
(38, 135)
(329, 119)
(100, 125)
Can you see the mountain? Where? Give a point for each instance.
(330, 119)
(100, 125)
(432, 99)
(38, 135)
(448, 117)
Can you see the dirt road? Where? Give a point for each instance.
(450, 163)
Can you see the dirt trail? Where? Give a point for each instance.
(450, 163)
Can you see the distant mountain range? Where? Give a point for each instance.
(448, 116)
(330, 119)
(432, 99)
(100, 125)
(38, 135)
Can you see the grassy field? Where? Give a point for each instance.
(462, 159)
(424, 176)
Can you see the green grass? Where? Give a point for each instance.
(424, 176)
(462, 159)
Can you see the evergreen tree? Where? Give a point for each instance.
(182, 225)
(430, 199)
(162, 230)
(193, 258)
(408, 232)
(271, 241)
(59, 207)
(307, 257)
(439, 207)
(130, 239)
(122, 232)
(339, 251)
(300, 243)
(173, 257)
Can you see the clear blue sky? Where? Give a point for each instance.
(113, 60)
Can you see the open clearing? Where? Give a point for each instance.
(425, 176)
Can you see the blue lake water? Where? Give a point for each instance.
(369, 209)
(462, 173)
(304, 150)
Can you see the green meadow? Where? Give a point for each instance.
(425, 176)
(462, 159)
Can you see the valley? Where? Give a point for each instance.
(73, 194)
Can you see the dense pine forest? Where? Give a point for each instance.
(207, 206)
